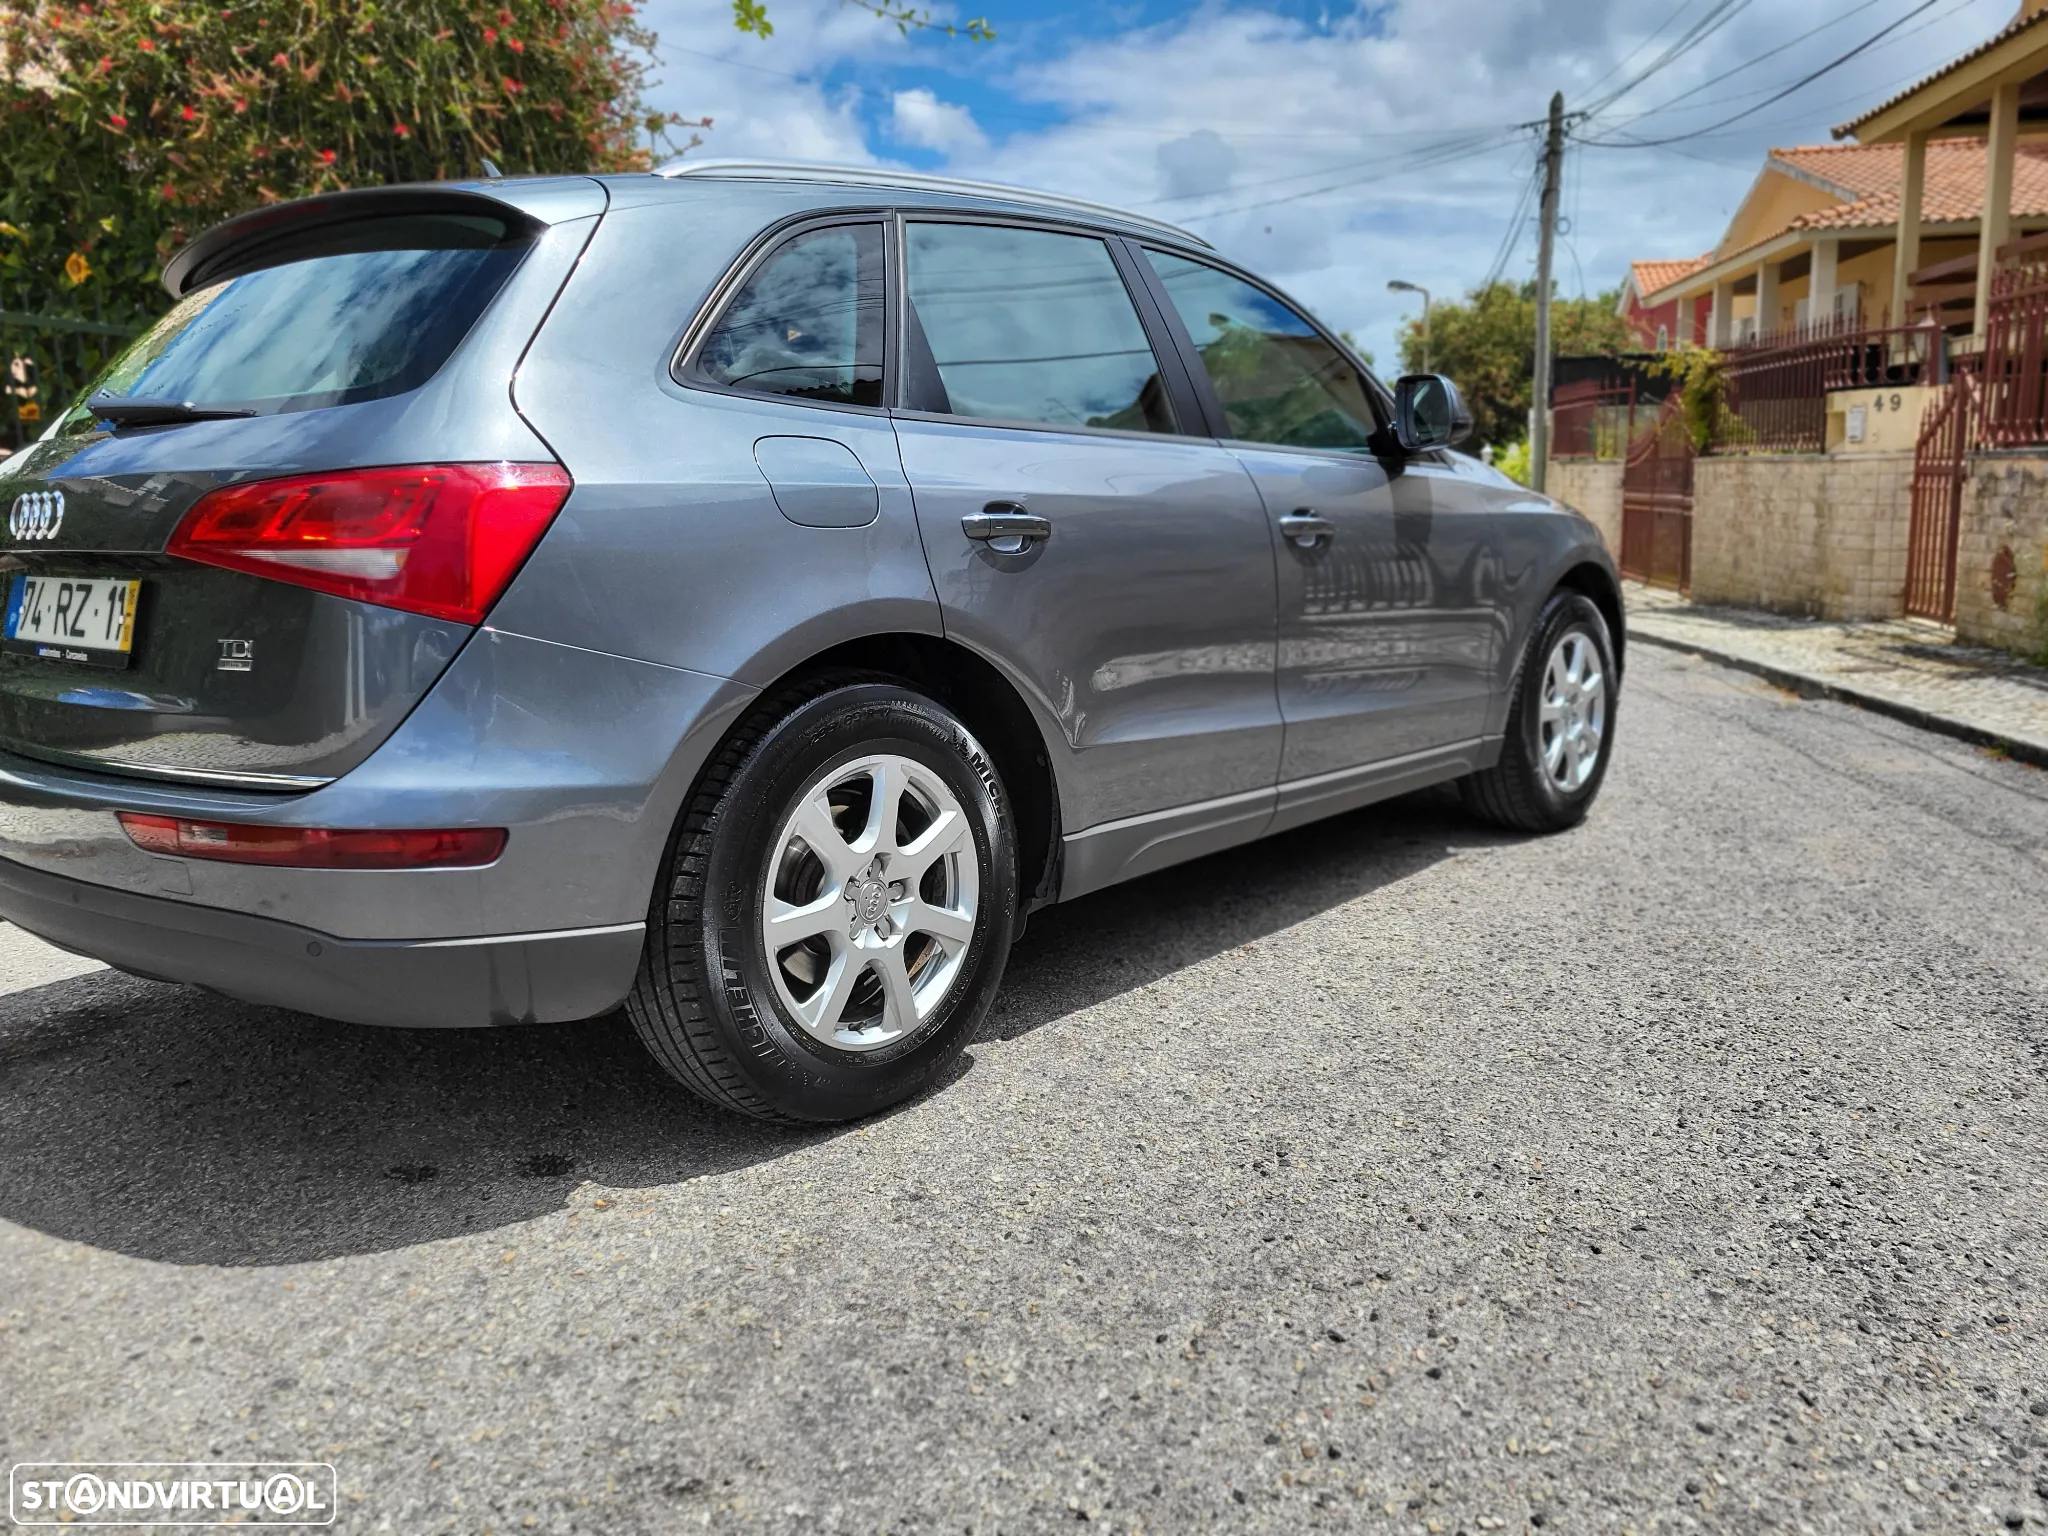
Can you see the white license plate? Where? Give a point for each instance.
(72, 618)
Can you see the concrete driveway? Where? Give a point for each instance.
(1688, 1171)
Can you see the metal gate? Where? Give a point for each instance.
(1656, 503)
(46, 361)
(1939, 459)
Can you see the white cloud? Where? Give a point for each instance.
(756, 91)
(1195, 166)
(1305, 149)
(918, 117)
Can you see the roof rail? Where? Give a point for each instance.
(871, 176)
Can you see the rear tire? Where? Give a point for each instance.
(835, 907)
(1560, 728)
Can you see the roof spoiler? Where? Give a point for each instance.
(266, 236)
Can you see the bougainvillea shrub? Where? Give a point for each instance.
(127, 126)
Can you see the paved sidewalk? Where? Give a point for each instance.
(1910, 670)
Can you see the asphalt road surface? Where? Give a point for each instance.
(1685, 1172)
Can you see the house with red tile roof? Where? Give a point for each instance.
(1816, 239)
(1939, 210)
(1658, 327)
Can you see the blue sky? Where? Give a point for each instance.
(1330, 146)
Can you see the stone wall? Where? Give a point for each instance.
(1815, 534)
(2002, 554)
(1593, 487)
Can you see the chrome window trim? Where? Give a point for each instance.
(682, 368)
(1378, 396)
(1111, 239)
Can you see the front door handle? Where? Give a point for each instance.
(1006, 527)
(1306, 529)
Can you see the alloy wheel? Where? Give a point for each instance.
(874, 886)
(1572, 713)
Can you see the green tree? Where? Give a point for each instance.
(1486, 343)
(128, 126)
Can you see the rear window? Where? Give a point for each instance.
(372, 310)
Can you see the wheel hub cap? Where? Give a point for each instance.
(870, 900)
(874, 893)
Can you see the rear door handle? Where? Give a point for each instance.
(1005, 527)
(1306, 529)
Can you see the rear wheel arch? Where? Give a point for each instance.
(990, 706)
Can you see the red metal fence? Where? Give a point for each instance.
(1938, 463)
(1774, 388)
(2014, 408)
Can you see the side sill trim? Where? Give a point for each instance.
(606, 931)
(1114, 851)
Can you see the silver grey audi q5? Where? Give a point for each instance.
(742, 593)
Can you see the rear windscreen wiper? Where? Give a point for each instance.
(149, 411)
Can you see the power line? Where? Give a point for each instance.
(1918, 72)
(1380, 172)
(1470, 136)
(1723, 12)
(1665, 106)
(1512, 235)
(1049, 120)
(1800, 84)
(1622, 62)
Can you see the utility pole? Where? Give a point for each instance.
(1553, 171)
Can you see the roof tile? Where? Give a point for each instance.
(2018, 24)
(1871, 173)
(1954, 190)
(1652, 275)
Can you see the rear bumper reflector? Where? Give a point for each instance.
(315, 847)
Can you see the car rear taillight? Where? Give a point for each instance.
(314, 847)
(443, 540)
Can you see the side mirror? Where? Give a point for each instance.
(1428, 413)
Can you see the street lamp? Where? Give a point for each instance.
(1397, 286)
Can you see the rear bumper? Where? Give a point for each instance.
(432, 983)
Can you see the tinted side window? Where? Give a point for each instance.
(1278, 380)
(1027, 325)
(808, 323)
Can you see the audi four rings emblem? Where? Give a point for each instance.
(37, 515)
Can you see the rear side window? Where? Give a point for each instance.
(1031, 326)
(808, 323)
(1278, 380)
(376, 312)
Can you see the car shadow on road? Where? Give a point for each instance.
(169, 1124)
